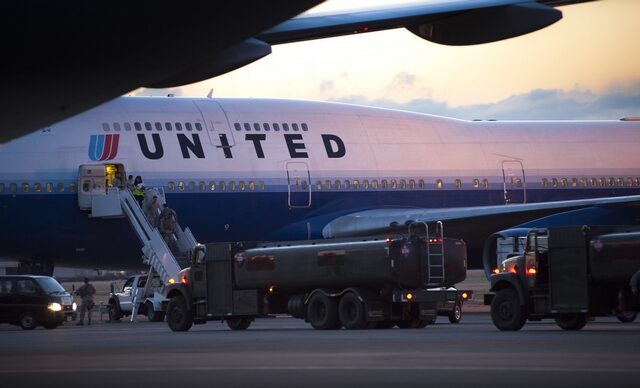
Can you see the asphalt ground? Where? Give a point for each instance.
(284, 352)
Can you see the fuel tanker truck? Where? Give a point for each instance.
(402, 281)
(570, 274)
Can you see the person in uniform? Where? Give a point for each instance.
(85, 292)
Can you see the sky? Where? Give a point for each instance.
(586, 66)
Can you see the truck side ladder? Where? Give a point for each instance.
(435, 266)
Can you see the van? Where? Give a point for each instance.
(31, 301)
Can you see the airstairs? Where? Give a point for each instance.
(163, 261)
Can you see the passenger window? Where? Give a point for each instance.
(338, 184)
(256, 126)
(198, 127)
(147, 126)
(242, 186)
(261, 184)
(294, 126)
(72, 187)
(61, 187)
(116, 127)
(188, 126)
(37, 187)
(383, 183)
(421, 184)
(439, 184)
(265, 126)
(327, 184)
(178, 126)
(612, 182)
(252, 185)
(14, 188)
(247, 127)
(347, 184)
(620, 182)
(222, 186)
(1, 187)
(485, 183)
(403, 184)
(574, 182)
(237, 126)
(603, 182)
(629, 182)
(554, 182)
(285, 127)
(171, 185)
(318, 185)
(181, 185)
(394, 184)
(192, 186)
(276, 127)
(232, 185)
(637, 181)
(168, 126)
(476, 183)
(458, 183)
(105, 127)
(202, 185)
(545, 182)
(158, 127)
(374, 184)
(25, 187)
(412, 184)
(304, 127)
(593, 182)
(212, 186)
(519, 182)
(305, 185)
(6, 286)
(365, 184)
(26, 286)
(137, 126)
(127, 126)
(356, 184)
(583, 182)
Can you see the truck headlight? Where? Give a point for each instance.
(74, 306)
(55, 306)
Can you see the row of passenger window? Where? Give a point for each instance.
(213, 186)
(402, 184)
(38, 188)
(268, 127)
(167, 126)
(591, 182)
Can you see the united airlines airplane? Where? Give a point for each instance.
(254, 169)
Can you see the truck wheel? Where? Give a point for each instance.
(239, 323)
(506, 312)
(322, 312)
(571, 321)
(152, 314)
(114, 312)
(627, 316)
(455, 315)
(178, 316)
(351, 312)
(28, 321)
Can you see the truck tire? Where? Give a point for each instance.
(506, 312)
(114, 312)
(28, 321)
(455, 315)
(322, 312)
(627, 316)
(152, 314)
(571, 321)
(239, 323)
(351, 312)
(179, 317)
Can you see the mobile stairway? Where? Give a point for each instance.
(116, 203)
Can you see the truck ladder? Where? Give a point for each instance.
(435, 252)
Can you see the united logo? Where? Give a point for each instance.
(103, 147)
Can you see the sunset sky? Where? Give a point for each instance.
(586, 66)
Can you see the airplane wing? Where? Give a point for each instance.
(476, 224)
(64, 58)
(451, 22)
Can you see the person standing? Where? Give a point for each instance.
(85, 292)
(168, 221)
(151, 210)
(130, 182)
(117, 181)
(138, 190)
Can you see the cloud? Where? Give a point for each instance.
(538, 104)
(405, 84)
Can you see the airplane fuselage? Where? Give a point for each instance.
(252, 169)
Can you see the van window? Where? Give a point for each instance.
(25, 286)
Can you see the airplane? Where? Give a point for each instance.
(268, 169)
(68, 57)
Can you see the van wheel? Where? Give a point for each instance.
(114, 312)
(28, 321)
(152, 314)
(506, 312)
(179, 317)
(455, 315)
(239, 323)
(571, 321)
(351, 312)
(322, 312)
(627, 316)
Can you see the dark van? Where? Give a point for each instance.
(30, 301)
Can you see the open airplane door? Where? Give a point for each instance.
(299, 189)
(515, 188)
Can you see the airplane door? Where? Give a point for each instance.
(216, 124)
(515, 190)
(299, 189)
